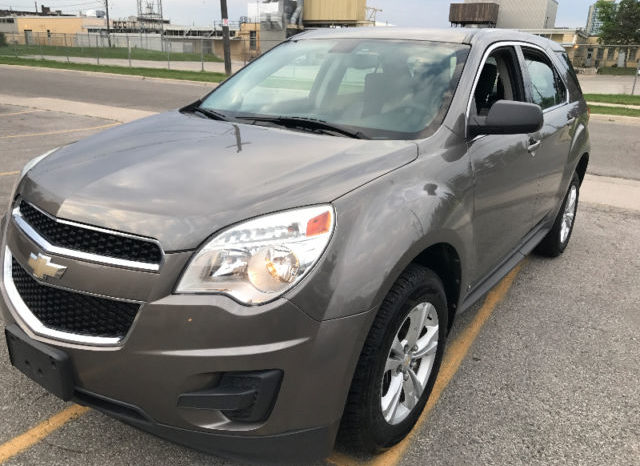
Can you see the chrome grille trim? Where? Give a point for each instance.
(32, 322)
(28, 230)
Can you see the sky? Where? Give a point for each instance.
(411, 13)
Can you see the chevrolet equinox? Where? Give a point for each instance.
(278, 264)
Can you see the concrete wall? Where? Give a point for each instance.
(57, 24)
(8, 25)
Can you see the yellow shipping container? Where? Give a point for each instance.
(324, 11)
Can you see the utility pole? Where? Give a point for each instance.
(36, 4)
(161, 24)
(106, 6)
(225, 37)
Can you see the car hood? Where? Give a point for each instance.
(179, 178)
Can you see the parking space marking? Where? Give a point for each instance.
(9, 173)
(19, 113)
(63, 131)
(24, 441)
(454, 355)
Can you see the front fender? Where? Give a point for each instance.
(383, 226)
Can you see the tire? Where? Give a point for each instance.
(558, 237)
(417, 294)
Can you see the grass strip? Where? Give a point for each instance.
(619, 111)
(146, 72)
(617, 71)
(622, 99)
(102, 52)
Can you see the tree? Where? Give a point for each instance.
(620, 22)
(3, 40)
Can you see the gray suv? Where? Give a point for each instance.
(281, 261)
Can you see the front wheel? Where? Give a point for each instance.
(558, 237)
(398, 364)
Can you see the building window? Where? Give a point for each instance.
(600, 53)
(610, 53)
(632, 54)
(253, 40)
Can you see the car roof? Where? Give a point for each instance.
(482, 36)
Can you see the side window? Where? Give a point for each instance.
(499, 80)
(547, 88)
(571, 70)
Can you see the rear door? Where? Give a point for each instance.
(504, 170)
(545, 87)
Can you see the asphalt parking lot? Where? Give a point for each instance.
(545, 370)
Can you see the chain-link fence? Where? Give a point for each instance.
(604, 59)
(136, 49)
(194, 53)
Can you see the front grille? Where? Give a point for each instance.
(90, 241)
(71, 312)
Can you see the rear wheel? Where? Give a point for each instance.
(399, 363)
(557, 239)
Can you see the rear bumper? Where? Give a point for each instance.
(183, 344)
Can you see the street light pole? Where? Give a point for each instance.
(225, 37)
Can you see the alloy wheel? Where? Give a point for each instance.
(569, 213)
(409, 363)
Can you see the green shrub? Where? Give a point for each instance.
(3, 40)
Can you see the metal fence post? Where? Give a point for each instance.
(168, 55)
(66, 48)
(129, 50)
(97, 51)
(635, 79)
(201, 54)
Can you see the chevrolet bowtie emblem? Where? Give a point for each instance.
(42, 267)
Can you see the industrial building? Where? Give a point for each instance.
(509, 14)
(593, 23)
(46, 30)
(272, 21)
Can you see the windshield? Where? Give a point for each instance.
(383, 89)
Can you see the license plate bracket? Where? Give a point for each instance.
(49, 367)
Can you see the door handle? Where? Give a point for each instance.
(534, 145)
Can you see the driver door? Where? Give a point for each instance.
(503, 168)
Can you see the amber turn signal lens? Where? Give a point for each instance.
(319, 224)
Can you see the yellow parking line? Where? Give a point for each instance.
(20, 443)
(20, 113)
(454, 355)
(64, 131)
(8, 173)
(451, 363)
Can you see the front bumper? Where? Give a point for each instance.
(181, 344)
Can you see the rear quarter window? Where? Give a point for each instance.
(571, 73)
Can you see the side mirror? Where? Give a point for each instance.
(508, 117)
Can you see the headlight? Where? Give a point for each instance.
(258, 260)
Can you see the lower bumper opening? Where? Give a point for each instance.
(111, 407)
(240, 396)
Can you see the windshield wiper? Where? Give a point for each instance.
(212, 114)
(313, 124)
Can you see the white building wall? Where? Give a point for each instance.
(524, 14)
